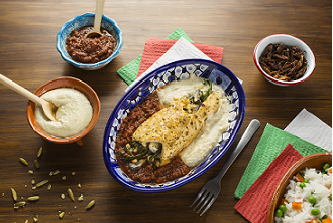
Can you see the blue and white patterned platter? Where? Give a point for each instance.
(164, 75)
(87, 19)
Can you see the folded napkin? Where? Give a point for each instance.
(181, 49)
(155, 48)
(272, 142)
(254, 204)
(310, 128)
(130, 71)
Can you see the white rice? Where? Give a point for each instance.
(319, 186)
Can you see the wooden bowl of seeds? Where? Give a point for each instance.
(71, 83)
(284, 60)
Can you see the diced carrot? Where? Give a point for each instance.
(313, 221)
(330, 170)
(299, 177)
(283, 201)
(297, 205)
(327, 220)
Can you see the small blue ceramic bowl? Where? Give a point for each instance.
(218, 74)
(86, 20)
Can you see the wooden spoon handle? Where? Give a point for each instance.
(22, 91)
(98, 15)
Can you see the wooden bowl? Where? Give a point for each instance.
(312, 161)
(69, 82)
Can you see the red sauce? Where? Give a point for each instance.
(146, 174)
(91, 49)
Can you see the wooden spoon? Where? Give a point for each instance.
(96, 32)
(48, 108)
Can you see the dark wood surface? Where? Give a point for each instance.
(28, 55)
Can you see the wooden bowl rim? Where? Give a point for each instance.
(307, 161)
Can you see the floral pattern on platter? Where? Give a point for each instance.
(218, 74)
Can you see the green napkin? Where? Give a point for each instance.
(130, 71)
(272, 142)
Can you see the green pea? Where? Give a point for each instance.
(278, 213)
(306, 181)
(302, 185)
(283, 208)
(326, 166)
(312, 200)
(315, 211)
(331, 197)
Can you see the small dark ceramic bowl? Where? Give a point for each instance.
(62, 82)
(312, 161)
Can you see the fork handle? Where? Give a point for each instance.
(247, 135)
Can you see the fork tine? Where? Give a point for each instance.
(203, 197)
(198, 196)
(209, 205)
(208, 198)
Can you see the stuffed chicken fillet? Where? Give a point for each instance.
(175, 127)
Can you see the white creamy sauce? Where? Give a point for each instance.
(73, 115)
(216, 124)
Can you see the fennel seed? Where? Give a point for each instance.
(61, 215)
(33, 198)
(39, 153)
(19, 204)
(91, 203)
(36, 163)
(71, 194)
(42, 183)
(14, 194)
(53, 173)
(49, 187)
(23, 161)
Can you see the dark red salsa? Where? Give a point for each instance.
(146, 173)
(90, 49)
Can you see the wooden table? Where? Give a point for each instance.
(28, 55)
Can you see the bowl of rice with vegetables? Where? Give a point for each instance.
(304, 195)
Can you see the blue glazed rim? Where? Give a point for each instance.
(217, 73)
(84, 20)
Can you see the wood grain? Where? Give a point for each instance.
(29, 57)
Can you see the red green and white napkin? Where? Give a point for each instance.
(255, 203)
(156, 48)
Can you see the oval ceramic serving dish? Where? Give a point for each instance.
(312, 161)
(164, 75)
